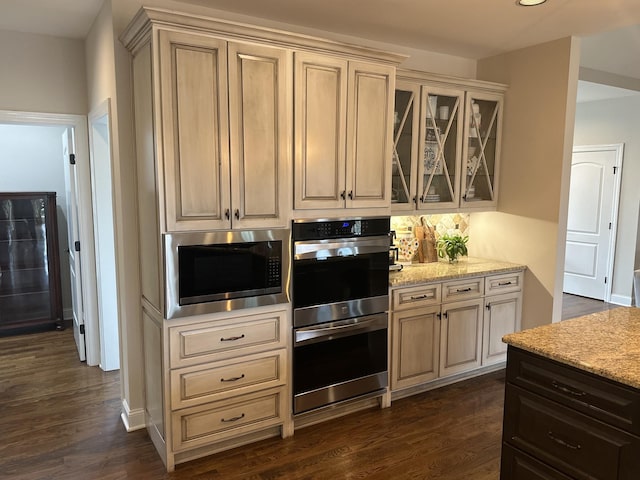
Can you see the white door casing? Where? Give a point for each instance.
(592, 217)
(78, 124)
(75, 263)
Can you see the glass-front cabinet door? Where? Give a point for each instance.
(440, 151)
(483, 125)
(406, 128)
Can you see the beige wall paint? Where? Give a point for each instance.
(41, 73)
(538, 123)
(103, 51)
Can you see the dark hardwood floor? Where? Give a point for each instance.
(60, 420)
(576, 306)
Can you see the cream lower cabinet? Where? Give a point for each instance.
(442, 329)
(224, 384)
(343, 115)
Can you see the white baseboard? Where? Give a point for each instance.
(132, 419)
(621, 300)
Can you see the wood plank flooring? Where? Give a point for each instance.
(60, 420)
(576, 306)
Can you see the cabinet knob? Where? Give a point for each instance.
(343, 195)
(226, 214)
(237, 214)
(350, 194)
(488, 307)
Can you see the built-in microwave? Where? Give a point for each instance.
(208, 272)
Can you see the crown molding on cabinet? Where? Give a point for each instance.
(146, 18)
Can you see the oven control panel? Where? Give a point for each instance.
(324, 229)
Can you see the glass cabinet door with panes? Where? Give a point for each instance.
(481, 152)
(428, 131)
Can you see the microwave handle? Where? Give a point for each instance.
(342, 328)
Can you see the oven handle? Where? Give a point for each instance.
(340, 247)
(339, 329)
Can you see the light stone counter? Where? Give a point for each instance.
(417, 273)
(605, 343)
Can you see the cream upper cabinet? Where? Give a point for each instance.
(260, 110)
(481, 154)
(225, 132)
(195, 130)
(442, 160)
(343, 112)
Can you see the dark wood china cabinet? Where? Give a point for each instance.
(30, 292)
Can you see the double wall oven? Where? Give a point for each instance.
(340, 284)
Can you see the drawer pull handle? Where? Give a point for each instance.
(565, 389)
(232, 339)
(232, 379)
(468, 289)
(232, 419)
(503, 284)
(419, 297)
(559, 441)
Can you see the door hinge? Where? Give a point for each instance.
(605, 280)
(72, 158)
(76, 245)
(610, 225)
(615, 169)
(82, 329)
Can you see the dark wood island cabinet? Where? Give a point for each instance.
(30, 291)
(572, 403)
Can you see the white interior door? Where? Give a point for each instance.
(73, 237)
(593, 194)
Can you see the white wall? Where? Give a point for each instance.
(102, 53)
(41, 73)
(618, 121)
(31, 161)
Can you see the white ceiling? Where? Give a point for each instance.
(592, 92)
(466, 28)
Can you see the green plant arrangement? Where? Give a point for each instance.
(452, 246)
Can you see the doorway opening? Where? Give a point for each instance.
(71, 132)
(594, 194)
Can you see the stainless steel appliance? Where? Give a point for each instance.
(340, 284)
(209, 272)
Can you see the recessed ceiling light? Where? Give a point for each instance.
(529, 3)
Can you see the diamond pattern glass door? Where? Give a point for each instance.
(439, 165)
(482, 149)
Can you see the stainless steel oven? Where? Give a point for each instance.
(227, 270)
(340, 284)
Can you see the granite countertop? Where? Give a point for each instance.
(605, 343)
(417, 273)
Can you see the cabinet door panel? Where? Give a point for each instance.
(320, 125)
(194, 121)
(369, 144)
(461, 336)
(259, 141)
(501, 316)
(416, 342)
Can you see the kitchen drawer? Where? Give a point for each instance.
(462, 289)
(505, 283)
(213, 422)
(205, 383)
(417, 296)
(602, 399)
(215, 340)
(517, 465)
(575, 444)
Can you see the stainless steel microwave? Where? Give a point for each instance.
(207, 272)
